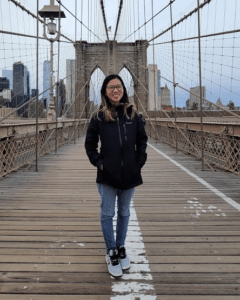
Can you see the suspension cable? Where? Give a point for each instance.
(59, 1)
(202, 36)
(145, 23)
(104, 18)
(119, 15)
(182, 19)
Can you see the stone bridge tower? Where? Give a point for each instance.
(111, 57)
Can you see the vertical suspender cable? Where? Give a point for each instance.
(145, 20)
(134, 21)
(200, 80)
(174, 83)
(81, 17)
(88, 22)
(36, 168)
(57, 86)
(95, 19)
(138, 22)
(79, 65)
(90, 19)
(154, 72)
(75, 71)
(130, 14)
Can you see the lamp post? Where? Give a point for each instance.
(49, 13)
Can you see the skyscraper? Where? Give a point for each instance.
(9, 75)
(153, 86)
(61, 97)
(20, 79)
(34, 93)
(70, 81)
(4, 83)
(159, 82)
(46, 80)
(21, 85)
(165, 97)
(196, 97)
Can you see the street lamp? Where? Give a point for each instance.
(50, 13)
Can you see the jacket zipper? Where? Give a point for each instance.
(125, 131)
(120, 138)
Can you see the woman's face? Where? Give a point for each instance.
(114, 91)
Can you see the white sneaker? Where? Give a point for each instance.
(124, 260)
(113, 263)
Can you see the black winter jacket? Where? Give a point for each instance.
(123, 149)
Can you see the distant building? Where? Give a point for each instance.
(21, 80)
(159, 82)
(46, 80)
(21, 87)
(61, 98)
(5, 98)
(4, 83)
(9, 75)
(32, 109)
(153, 99)
(28, 85)
(219, 102)
(194, 101)
(70, 81)
(34, 93)
(6, 94)
(165, 97)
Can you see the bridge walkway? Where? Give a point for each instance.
(184, 232)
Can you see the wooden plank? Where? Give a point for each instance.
(96, 232)
(167, 278)
(101, 289)
(99, 259)
(98, 239)
(104, 297)
(101, 267)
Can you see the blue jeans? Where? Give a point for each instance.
(109, 195)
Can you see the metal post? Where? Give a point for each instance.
(56, 133)
(57, 86)
(145, 20)
(36, 167)
(75, 115)
(200, 81)
(154, 76)
(51, 108)
(174, 83)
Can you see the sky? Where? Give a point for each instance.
(220, 59)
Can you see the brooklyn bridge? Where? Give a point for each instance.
(180, 65)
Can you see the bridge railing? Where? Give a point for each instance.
(17, 151)
(220, 149)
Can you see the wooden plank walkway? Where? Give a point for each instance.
(184, 240)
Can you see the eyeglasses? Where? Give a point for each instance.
(112, 88)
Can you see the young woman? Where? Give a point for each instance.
(122, 155)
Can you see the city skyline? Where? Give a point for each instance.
(70, 64)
